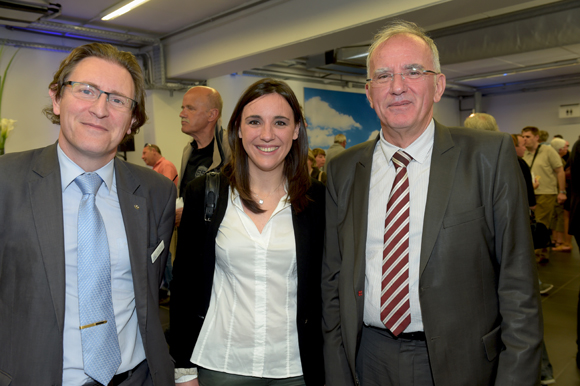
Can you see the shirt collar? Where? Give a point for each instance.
(69, 171)
(419, 149)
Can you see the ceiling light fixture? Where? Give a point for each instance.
(124, 9)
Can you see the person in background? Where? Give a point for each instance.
(547, 171)
(314, 171)
(566, 155)
(246, 291)
(561, 214)
(84, 253)
(200, 115)
(546, 370)
(337, 147)
(520, 151)
(320, 157)
(543, 137)
(481, 121)
(152, 157)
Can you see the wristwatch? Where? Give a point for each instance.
(562, 192)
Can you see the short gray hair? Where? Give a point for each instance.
(339, 138)
(558, 144)
(481, 121)
(398, 27)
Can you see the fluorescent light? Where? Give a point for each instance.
(124, 9)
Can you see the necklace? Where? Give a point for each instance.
(261, 201)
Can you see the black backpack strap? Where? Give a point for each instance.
(535, 154)
(212, 189)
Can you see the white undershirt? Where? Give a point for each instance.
(250, 327)
(382, 177)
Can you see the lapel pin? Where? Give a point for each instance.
(136, 206)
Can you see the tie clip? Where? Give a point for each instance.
(92, 325)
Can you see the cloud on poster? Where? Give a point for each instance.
(323, 120)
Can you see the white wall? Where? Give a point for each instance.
(26, 94)
(513, 112)
(446, 112)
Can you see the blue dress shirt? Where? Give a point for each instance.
(130, 342)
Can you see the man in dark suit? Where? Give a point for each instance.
(428, 274)
(51, 248)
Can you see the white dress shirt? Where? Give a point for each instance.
(107, 201)
(250, 326)
(382, 177)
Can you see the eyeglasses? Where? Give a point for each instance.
(411, 75)
(90, 93)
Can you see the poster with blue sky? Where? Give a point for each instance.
(333, 112)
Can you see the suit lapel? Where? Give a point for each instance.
(359, 202)
(45, 190)
(443, 164)
(134, 210)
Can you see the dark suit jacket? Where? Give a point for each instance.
(478, 282)
(32, 263)
(574, 187)
(195, 264)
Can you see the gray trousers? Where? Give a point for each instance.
(385, 361)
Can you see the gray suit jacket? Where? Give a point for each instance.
(32, 264)
(478, 282)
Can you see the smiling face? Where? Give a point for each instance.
(404, 107)
(90, 131)
(267, 131)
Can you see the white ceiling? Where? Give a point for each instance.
(206, 39)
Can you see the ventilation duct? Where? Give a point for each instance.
(22, 13)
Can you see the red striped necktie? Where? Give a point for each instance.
(395, 306)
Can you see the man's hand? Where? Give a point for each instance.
(561, 198)
(178, 213)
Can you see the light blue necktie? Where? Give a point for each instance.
(101, 353)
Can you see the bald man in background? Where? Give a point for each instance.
(200, 115)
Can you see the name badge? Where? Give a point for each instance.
(157, 251)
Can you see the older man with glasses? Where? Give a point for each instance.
(85, 238)
(428, 275)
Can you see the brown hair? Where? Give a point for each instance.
(515, 138)
(109, 53)
(316, 151)
(154, 147)
(295, 167)
(534, 130)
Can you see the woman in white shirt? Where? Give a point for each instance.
(245, 298)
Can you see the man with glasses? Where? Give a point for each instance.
(86, 238)
(428, 276)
